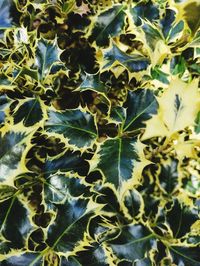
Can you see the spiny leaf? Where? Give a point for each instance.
(47, 54)
(132, 62)
(144, 10)
(69, 226)
(69, 161)
(108, 23)
(30, 112)
(178, 107)
(75, 125)
(92, 82)
(123, 155)
(140, 105)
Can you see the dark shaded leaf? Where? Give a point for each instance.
(180, 218)
(30, 112)
(70, 161)
(75, 125)
(187, 256)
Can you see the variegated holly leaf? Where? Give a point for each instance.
(132, 62)
(159, 75)
(145, 11)
(108, 24)
(170, 28)
(47, 57)
(70, 225)
(140, 106)
(180, 219)
(178, 108)
(133, 203)
(197, 123)
(69, 161)
(58, 187)
(92, 82)
(167, 176)
(93, 255)
(14, 224)
(185, 255)
(37, 259)
(124, 156)
(133, 243)
(12, 146)
(79, 127)
(29, 111)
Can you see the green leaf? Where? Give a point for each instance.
(3, 104)
(175, 31)
(140, 105)
(30, 112)
(57, 187)
(69, 161)
(14, 224)
(108, 24)
(6, 192)
(123, 155)
(152, 33)
(158, 74)
(133, 62)
(92, 82)
(5, 16)
(197, 123)
(132, 201)
(167, 21)
(178, 65)
(168, 176)
(180, 218)
(47, 54)
(94, 255)
(28, 259)
(133, 243)
(77, 126)
(69, 226)
(187, 256)
(144, 11)
(12, 146)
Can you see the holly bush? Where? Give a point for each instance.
(99, 132)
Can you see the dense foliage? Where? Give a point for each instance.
(99, 132)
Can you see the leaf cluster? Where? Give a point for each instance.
(99, 132)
